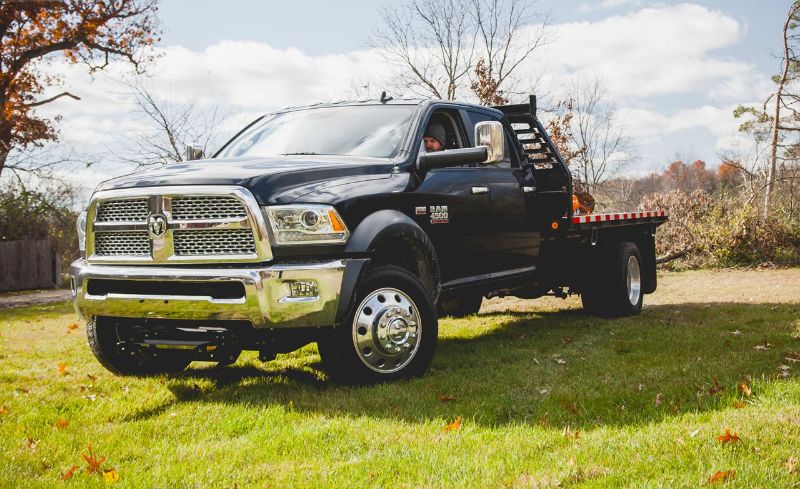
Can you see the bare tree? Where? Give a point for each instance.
(439, 43)
(169, 127)
(605, 146)
(508, 34)
(778, 124)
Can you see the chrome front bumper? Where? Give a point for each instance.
(267, 300)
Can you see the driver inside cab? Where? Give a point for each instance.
(434, 137)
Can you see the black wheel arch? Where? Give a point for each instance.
(389, 237)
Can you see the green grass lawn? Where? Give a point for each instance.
(547, 396)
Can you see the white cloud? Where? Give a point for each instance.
(652, 51)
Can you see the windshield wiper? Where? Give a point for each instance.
(296, 154)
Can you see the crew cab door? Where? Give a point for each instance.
(516, 243)
(454, 208)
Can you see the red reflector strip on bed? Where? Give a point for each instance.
(617, 216)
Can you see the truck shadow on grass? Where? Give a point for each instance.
(548, 368)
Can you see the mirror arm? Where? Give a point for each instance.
(452, 157)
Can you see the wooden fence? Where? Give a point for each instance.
(28, 264)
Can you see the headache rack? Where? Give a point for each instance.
(553, 180)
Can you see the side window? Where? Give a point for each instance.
(448, 128)
(508, 160)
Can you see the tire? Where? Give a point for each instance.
(103, 334)
(459, 307)
(390, 334)
(616, 288)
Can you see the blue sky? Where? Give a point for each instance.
(674, 70)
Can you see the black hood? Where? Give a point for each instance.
(276, 180)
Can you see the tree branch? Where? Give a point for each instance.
(48, 100)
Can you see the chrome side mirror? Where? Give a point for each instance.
(490, 134)
(194, 152)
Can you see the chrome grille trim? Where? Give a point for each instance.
(239, 215)
(128, 243)
(214, 242)
(126, 210)
(207, 208)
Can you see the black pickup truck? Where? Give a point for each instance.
(332, 224)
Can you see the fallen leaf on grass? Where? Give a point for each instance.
(736, 333)
(571, 407)
(783, 371)
(658, 399)
(30, 443)
(535, 360)
(62, 368)
(93, 463)
(568, 433)
(445, 398)
(567, 340)
(544, 392)
(110, 476)
(792, 465)
(72, 327)
(454, 426)
(61, 424)
(745, 389)
(716, 388)
(766, 346)
(694, 433)
(793, 356)
(560, 360)
(69, 473)
(739, 404)
(91, 377)
(3, 410)
(91, 397)
(728, 437)
(722, 476)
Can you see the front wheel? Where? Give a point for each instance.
(391, 333)
(616, 288)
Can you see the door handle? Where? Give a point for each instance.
(480, 190)
(528, 190)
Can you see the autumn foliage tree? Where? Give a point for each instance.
(35, 32)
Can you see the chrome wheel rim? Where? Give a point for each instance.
(386, 330)
(634, 280)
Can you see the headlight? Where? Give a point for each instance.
(306, 224)
(81, 225)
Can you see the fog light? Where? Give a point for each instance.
(299, 289)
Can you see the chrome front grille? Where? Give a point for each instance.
(129, 243)
(127, 210)
(198, 208)
(185, 224)
(214, 242)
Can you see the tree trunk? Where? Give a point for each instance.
(776, 122)
(773, 149)
(3, 158)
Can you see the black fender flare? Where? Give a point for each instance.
(380, 227)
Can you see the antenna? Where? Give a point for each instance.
(384, 98)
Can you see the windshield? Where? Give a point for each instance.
(361, 130)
